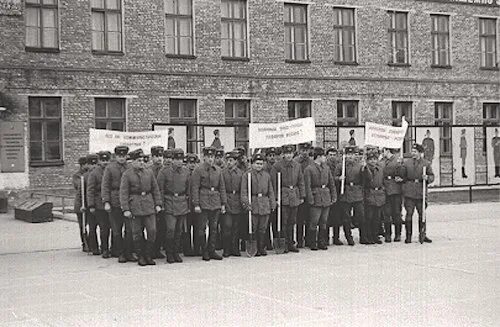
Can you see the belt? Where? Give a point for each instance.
(176, 194)
(142, 193)
(320, 186)
(210, 188)
(234, 192)
(377, 188)
(259, 195)
(352, 184)
(389, 177)
(415, 181)
(291, 187)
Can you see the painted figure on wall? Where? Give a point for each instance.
(216, 143)
(171, 140)
(463, 151)
(428, 144)
(495, 144)
(352, 140)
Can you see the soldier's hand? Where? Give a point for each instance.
(107, 206)
(82, 209)
(158, 209)
(301, 201)
(223, 209)
(127, 214)
(197, 209)
(425, 177)
(398, 179)
(342, 177)
(92, 210)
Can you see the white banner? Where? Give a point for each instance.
(102, 140)
(277, 134)
(385, 136)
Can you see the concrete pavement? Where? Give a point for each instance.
(454, 281)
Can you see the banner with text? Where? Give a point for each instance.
(385, 136)
(102, 140)
(277, 134)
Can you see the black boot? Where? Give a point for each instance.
(311, 239)
(388, 232)
(214, 255)
(138, 247)
(323, 240)
(177, 246)
(263, 241)
(226, 244)
(408, 228)
(170, 250)
(149, 253)
(397, 232)
(463, 173)
(336, 236)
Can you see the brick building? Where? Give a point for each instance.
(122, 64)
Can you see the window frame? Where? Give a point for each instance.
(292, 25)
(482, 35)
(178, 17)
(341, 27)
(231, 21)
(188, 121)
(238, 122)
(105, 11)
(43, 120)
(489, 121)
(342, 120)
(41, 6)
(296, 107)
(444, 124)
(108, 119)
(393, 32)
(435, 35)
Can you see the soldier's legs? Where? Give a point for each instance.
(150, 226)
(410, 208)
(235, 231)
(273, 220)
(244, 229)
(299, 234)
(170, 224)
(259, 227)
(201, 225)
(161, 229)
(359, 214)
(396, 215)
(188, 239)
(375, 224)
(79, 217)
(226, 221)
(312, 226)
(289, 219)
(346, 221)
(104, 229)
(93, 243)
(213, 221)
(137, 226)
(323, 232)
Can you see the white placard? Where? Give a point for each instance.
(177, 136)
(385, 136)
(428, 137)
(464, 170)
(225, 139)
(278, 134)
(102, 140)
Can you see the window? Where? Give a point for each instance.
(443, 116)
(110, 114)
(234, 28)
(345, 35)
(296, 32)
(299, 109)
(179, 27)
(347, 113)
(488, 42)
(183, 111)
(45, 130)
(42, 27)
(106, 26)
(400, 109)
(238, 115)
(440, 33)
(398, 37)
(491, 117)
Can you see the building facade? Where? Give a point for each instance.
(126, 65)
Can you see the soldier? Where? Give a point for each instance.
(231, 220)
(352, 199)
(95, 204)
(413, 188)
(191, 164)
(161, 227)
(82, 162)
(392, 184)
(374, 196)
(292, 193)
(335, 214)
(92, 220)
(303, 211)
(209, 199)
(219, 158)
(271, 154)
(174, 187)
(242, 159)
(320, 195)
(140, 200)
(168, 156)
(263, 200)
(110, 192)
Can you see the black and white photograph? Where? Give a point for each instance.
(244, 163)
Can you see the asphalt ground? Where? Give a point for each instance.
(45, 280)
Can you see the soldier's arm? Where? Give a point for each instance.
(272, 195)
(302, 185)
(430, 173)
(106, 186)
(274, 175)
(331, 185)
(403, 172)
(161, 182)
(222, 190)
(307, 182)
(91, 190)
(195, 188)
(124, 192)
(76, 181)
(244, 191)
(156, 190)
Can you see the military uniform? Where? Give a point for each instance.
(234, 211)
(413, 188)
(82, 161)
(320, 194)
(352, 199)
(263, 202)
(191, 246)
(92, 219)
(140, 196)
(209, 194)
(161, 226)
(110, 192)
(174, 187)
(335, 214)
(292, 194)
(374, 198)
(95, 204)
(303, 211)
(393, 189)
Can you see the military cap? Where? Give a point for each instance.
(318, 151)
(121, 150)
(157, 151)
(104, 155)
(192, 158)
(168, 153)
(219, 153)
(271, 150)
(288, 148)
(233, 154)
(136, 154)
(178, 153)
(351, 149)
(361, 151)
(418, 147)
(208, 151)
(82, 160)
(304, 146)
(372, 154)
(92, 158)
(332, 149)
(257, 156)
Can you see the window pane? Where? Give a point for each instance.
(35, 131)
(33, 37)
(242, 110)
(49, 18)
(53, 130)
(184, 7)
(288, 13)
(226, 48)
(114, 22)
(36, 151)
(115, 108)
(97, 4)
(188, 109)
(49, 2)
(169, 6)
(229, 110)
(185, 45)
(174, 109)
(239, 49)
(113, 4)
(32, 17)
(299, 14)
(117, 126)
(98, 41)
(51, 108)
(185, 27)
(300, 34)
(348, 17)
(34, 108)
(114, 41)
(225, 8)
(100, 108)
(97, 21)
(53, 151)
(100, 124)
(49, 37)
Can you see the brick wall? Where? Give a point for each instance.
(147, 78)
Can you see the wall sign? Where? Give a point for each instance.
(12, 147)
